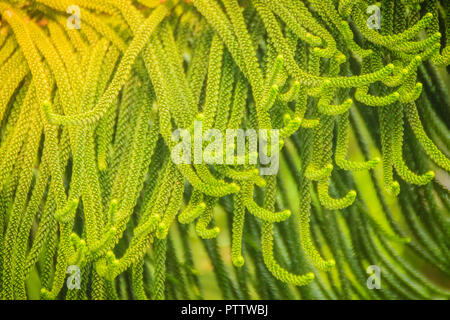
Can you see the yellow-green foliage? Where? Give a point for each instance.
(86, 122)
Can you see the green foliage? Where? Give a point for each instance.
(86, 122)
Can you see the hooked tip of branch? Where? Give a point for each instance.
(310, 276)
(238, 261)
